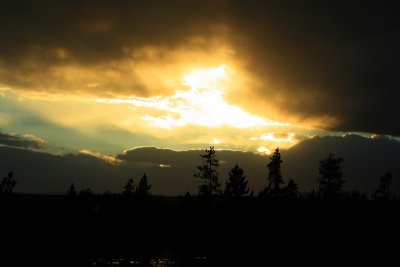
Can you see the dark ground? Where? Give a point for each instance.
(41, 230)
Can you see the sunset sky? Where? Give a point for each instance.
(101, 77)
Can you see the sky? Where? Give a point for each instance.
(103, 77)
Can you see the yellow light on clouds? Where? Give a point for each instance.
(289, 137)
(263, 150)
(274, 140)
(202, 105)
(106, 158)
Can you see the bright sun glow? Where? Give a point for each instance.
(206, 78)
(202, 105)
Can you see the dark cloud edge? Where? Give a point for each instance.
(27, 141)
(365, 160)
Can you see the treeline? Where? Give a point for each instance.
(330, 182)
(86, 229)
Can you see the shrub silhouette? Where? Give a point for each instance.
(8, 183)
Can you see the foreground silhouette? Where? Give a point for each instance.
(135, 228)
(7, 184)
(87, 228)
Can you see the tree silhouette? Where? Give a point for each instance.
(129, 188)
(291, 190)
(383, 191)
(275, 178)
(86, 192)
(143, 189)
(208, 174)
(330, 177)
(236, 186)
(71, 191)
(8, 183)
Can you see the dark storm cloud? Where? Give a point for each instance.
(40, 39)
(95, 31)
(335, 58)
(313, 58)
(26, 141)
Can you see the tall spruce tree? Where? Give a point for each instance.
(208, 175)
(275, 178)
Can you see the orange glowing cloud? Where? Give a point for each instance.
(202, 105)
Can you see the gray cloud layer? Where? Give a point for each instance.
(27, 141)
(365, 160)
(314, 58)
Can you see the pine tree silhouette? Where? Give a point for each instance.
(143, 189)
(71, 191)
(275, 178)
(129, 188)
(330, 177)
(236, 186)
(383, 191)
(208, 174)
(291, 190)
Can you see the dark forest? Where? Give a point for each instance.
(230, 227)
